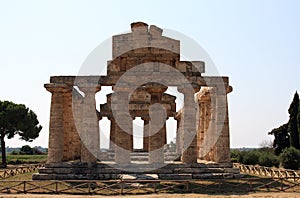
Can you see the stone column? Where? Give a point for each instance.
(146, 133)
(112, 136)
(90, 133)
(56, 125)
(188, 126)
(157, 124)
(123, 129)
(205, 118)
(222, 146)
(178, 133)
(71, 136)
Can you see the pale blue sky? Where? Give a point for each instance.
(255, 43)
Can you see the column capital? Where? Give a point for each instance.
(178, 115)
(59, 88)
(155, 88)
(89, 88)
(220, 90)
(229, 89)
(145, 118)
(111, 118)
(185, 88)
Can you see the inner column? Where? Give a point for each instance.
(157, 123)
(112, 136)
(123, 139)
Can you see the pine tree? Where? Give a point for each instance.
(16, 119)
(293, 126)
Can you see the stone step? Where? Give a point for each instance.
(139, 165)
(106, 171)
(111, 170)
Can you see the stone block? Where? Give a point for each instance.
(38, 176)
(175, 176)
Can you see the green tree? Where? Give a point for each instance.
(17, 119)
(293, 122)
(298, 121)
(26, 149)
(281, 138)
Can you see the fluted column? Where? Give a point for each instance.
(222, 147)
(188, 126)
(157, 124)
(200, 130)
(71, 136)
(208, 132)
(90, 134)
(178, 134)
(112, 136)
(123, 129)
(56, 125)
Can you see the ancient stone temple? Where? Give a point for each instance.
(144, 64)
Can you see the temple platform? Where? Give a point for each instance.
(136, 170)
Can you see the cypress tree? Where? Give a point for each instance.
(293, 126)
(298, 121)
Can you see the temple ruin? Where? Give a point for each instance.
(139, 58)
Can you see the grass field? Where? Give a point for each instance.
(26, 159)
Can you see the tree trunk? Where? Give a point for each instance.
(3, 165)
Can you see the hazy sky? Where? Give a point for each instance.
(255, 43)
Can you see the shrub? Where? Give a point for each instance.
(268, 159)
(290, 158)
(36, 151)
(235, 155)
(250, 157)
(14, 152)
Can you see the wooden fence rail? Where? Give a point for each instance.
(120, 187)
(268, 171)
(19, 170)
(273, 180)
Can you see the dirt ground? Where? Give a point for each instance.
(255, 195)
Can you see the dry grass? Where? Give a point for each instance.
(254, 195)
(232, 188)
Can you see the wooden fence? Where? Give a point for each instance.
(121, 187)
(19, 170)
(270, 180)
(268, 171)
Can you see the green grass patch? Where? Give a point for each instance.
(25, 159)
